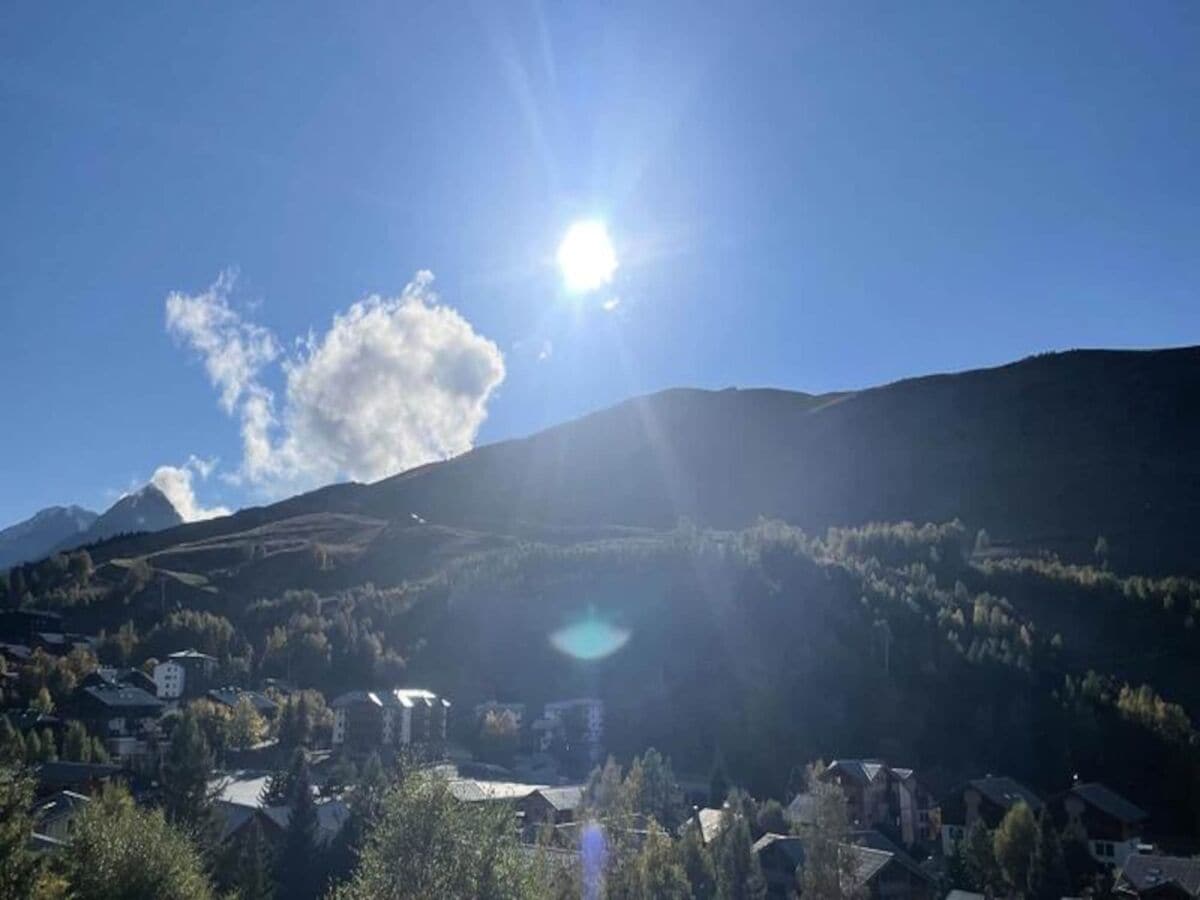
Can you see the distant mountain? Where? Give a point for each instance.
(39, 535)
(146, 509)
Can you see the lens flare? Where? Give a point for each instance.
(590, 638)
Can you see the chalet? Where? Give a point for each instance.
(231, 696)
(552, 805)
(985, 800)
(77, 776)
(125, 717)
(55, 815)
(884, 874)
(185, 673)
(1108, 824)
(129, 677)
(781, 858)
(1158, 877)
(883, 796)
(711, 821)
(395, 718)
(237, 800)
(471, 790)
(884, 870)
(555, 716)
(21, 625)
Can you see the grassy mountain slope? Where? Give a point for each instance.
(1050, 452)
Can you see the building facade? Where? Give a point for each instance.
(368, 719)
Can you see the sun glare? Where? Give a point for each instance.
(586, 257)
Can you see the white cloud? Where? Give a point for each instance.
(233, 349)
(176, 484)
(394, 383)
(611, 304)
(547, 350)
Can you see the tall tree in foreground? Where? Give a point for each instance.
(299, 872)
(186, 768)
(1014, 843)
(427, 844)
(18, 868)
(697, 863)
(1048, 876)
(829, 864)
(739, 876)
(121, 850)
(252, 873)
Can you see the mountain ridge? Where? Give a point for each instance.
(1055, 449)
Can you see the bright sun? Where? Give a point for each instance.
(586, 257)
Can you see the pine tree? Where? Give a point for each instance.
(739, 876)
(33, 747)
(12, 745)
(698, 864)
(1048, 878)
(253, 868)
(298, 874)
(49, 746)
(186, 768)
(77, 744)
(18, 868)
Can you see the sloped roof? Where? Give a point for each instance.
(788, 844)
(58, 804)
(868, 862)
(229, 696)
(872, 839)
(862, 771)
(190, 654)
(470, 790)
(121, 696)
(1110, 802)
(1145, 871)
(712, 823)
(1005, 792)
(563, 799)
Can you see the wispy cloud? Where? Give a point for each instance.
(176, 484)
(393, 383)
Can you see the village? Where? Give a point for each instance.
(904, 835)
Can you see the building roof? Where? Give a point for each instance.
(862, 771)
(58, 804)
(872, 839)
(1146, 871)
(470, 790)
(868, 862)
(1005, 792)
(956, 894)
(229, 696)
(121, 696)
(190, 654)
(403, 697)
(788, 844)
(1110, 802)
(711, 821)
(62, 773)
(563, 799)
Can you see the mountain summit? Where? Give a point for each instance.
(42, 532)
(146, 509)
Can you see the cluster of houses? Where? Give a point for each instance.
(895, 818)
(892, 813)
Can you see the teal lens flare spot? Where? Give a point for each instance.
(590, 638)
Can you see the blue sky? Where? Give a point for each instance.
(807, 196)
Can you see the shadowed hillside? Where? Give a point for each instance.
(1051, 451)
